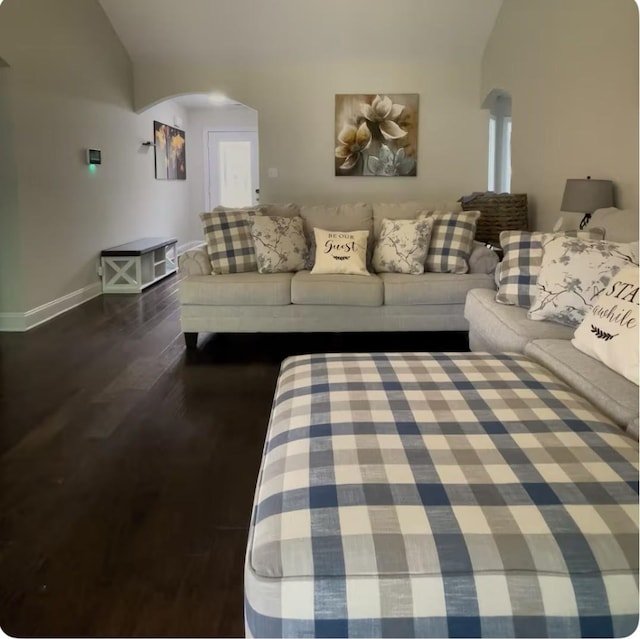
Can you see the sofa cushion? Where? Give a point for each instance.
(483, 259)
(405, 211)
(506, 328)
(431, 288)
(237, 289)
(620, 225)
(614, 395)
(290, 209)
(343, 217)
(336, 289)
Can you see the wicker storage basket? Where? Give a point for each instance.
(500, 212)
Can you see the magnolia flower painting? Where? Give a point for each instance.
(376, 135)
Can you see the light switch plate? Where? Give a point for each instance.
(272, 173)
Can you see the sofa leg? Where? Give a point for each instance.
(191, 341)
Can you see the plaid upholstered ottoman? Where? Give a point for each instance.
(462, 495)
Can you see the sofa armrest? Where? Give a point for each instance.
(194, 262)
(482, 259)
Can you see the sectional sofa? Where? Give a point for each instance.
(301, 302)
(498, 328)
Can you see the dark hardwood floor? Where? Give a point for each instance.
(127, 469)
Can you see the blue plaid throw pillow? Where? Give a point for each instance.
(520, 265)
(451, 243)
(229, 241)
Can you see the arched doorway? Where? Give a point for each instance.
(222, 150)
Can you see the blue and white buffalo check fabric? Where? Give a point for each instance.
(451, 241)
(445, 495)
(229, 242)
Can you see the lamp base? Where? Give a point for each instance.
(585, 220)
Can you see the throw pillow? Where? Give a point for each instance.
(518, 283)
(341, 252)
(279, 243)
(343, 217)
(451, 240)
(572, 275)
(609, 332)
(229, 242)
(402, 246)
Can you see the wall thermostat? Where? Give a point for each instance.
(94, 156)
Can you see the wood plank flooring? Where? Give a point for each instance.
(127, 470)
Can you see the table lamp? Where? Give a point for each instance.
(586, 196)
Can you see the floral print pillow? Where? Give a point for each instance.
(402, 246)
(279, 243)
(573, 273)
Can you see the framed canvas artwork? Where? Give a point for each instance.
(376, 134)
(170, 152)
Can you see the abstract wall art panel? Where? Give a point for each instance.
(170, 152)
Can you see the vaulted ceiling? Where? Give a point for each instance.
(276, 31)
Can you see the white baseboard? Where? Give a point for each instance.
(19, 322)
(187, 246)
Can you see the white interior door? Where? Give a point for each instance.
(233, 174)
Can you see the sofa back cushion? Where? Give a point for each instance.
(288, 209)
(620, 225)
(405, 211)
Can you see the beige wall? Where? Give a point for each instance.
(71, 88)
(295, 105)
(571, 67)
(11, 287)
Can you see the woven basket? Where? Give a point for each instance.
(500, 212)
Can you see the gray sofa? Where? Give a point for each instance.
(301, 302)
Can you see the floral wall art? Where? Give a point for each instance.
(376, 134)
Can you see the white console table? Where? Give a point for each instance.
(129, 268)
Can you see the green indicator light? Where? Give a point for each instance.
(92, 168)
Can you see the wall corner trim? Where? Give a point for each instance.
(20, 322)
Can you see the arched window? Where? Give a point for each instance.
(498, 102)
